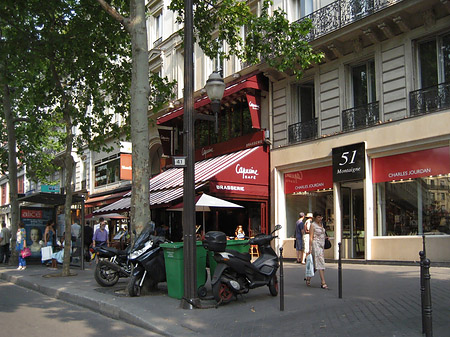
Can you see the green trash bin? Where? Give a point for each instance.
(240, 246)
(174, 260)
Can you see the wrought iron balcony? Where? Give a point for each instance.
(157, 42)
(430, 99)
(302, 131)
(342, 13)
(360, 117)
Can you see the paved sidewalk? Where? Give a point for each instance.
(378, 300)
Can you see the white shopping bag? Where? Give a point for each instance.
(46, 253)
(309, 266)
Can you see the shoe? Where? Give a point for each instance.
(19, 268)
(298, 261)
(24, 267)
(308, 282)
(324, 286)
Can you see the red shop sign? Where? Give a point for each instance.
(308, 180)
(411, 165)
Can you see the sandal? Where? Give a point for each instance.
(308, 282)
(324, 286)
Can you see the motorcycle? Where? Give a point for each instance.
(112, 265)
(147, 260)
(235, 273)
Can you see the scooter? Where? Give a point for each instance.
(147, 260)
(112, 265)
(235, 273)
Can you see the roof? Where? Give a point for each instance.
(49, 198)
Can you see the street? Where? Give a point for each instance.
(25, 312)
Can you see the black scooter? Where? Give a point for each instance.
(147, 259)
(235, 274)
(112, 265)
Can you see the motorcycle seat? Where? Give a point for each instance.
(242, 256)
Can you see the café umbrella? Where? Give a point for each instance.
(204, 203)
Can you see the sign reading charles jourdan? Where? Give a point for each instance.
(349, 162)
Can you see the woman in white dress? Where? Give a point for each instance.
(317, 242)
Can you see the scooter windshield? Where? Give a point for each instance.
(143, 237)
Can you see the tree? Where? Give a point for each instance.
(83, 66)
(269, 37)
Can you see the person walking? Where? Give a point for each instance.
(299, 237)
(21, 244)
(317, 242)
(101, 236)
(50, 234)
(5, 237)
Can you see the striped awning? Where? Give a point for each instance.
(168, 185)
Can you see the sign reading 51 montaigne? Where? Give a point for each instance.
(349, 162)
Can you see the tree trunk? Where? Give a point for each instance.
(140, 88)
(12, 166)
(68, 165)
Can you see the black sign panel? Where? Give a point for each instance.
(349, 162)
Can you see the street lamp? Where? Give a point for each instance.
(215, 87)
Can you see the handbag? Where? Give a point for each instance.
(25, 252)
(327, 244)
(309, 272)
(46, 253)
(295, 243)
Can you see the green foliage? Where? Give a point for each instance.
(269, 38)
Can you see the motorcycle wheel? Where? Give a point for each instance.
(133, 287)
(273, 285)
(222, 292)
(105, 276)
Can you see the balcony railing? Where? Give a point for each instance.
(157, 42)
(360, 117)
(430, 99)
(302, 131)
(342, 13)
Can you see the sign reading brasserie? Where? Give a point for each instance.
(349, 162)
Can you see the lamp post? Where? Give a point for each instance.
(215, 87)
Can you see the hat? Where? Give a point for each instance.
(309, 215)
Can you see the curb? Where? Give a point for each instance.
(100, 307)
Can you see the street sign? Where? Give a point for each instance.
(179, 161)
(349, 162)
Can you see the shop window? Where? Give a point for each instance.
(321, 201)
(413, 207)
(234, 121)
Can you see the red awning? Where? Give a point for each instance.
(308, 180)
(248, 168)
(250, 82)
(411, 165)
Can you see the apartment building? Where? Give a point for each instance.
(364, 137)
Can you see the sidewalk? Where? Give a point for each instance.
(378, 300)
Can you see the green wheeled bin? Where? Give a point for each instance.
(240, 246)
(174, 260)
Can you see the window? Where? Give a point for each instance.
(234, 121)
(158, 28)
(306, 7)
(363, 84)
(304, 114)
(413, 206)
(20, 185)
(434, 61)
(107, 173)
(3, 188)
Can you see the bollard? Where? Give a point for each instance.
(428, 318)
(340, 271)
(281, 281)
(422, 288)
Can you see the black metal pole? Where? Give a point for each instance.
(281, 281)
(422, 288)
(190, 299)
(427, 299)
(339, 270)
